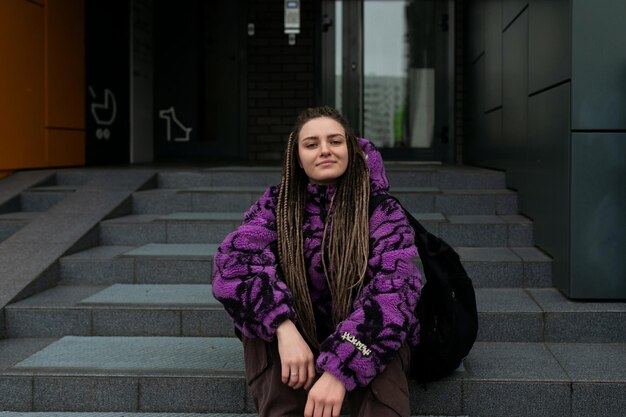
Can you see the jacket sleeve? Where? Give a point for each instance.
(383, 316)
(246, 278)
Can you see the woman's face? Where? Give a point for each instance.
(323, 150)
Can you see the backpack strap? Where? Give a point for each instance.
(375, 200)
(426, 242)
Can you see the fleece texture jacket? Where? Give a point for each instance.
(247, 281)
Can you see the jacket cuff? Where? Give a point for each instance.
(329, 362)
(276, 318)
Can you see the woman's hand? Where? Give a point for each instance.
(326, 397)
(296, 358)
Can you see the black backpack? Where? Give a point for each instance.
(447, 307)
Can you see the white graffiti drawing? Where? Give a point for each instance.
(104, 113)
(170, 116)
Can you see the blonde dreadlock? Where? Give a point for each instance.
(348, 235)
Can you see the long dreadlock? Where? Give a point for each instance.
(346, 239)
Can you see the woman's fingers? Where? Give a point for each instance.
(310, 376)
(325, 398)
(300, 374)
(309, 408)
(294, 377)
(284, 373)
(318, 409)
(299, 377)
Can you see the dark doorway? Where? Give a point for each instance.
(200, 59)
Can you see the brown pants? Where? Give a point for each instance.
(386, 396)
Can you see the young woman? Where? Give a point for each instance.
(323, 293)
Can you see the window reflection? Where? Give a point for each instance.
(399, 72)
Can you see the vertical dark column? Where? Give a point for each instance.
(177, 77)
(353, 63)
(107, 51)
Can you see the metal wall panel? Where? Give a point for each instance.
(549, 43)
(515, 100)
(493, 54)
(510, 10)
(474, 148)
(598, 63)
(598, 241)
(569, 182)
(476, 29)
(492, 153)
(548, 181)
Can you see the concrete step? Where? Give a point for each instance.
(235, 176)
(133, 414)
(43, 198)
(172, 374)
(96, 414)
(74, 177)
(141, 229)
(119, 310)
(506, 315)
(104, 414)
(211, 227)
(148, 264)
(165, 263)
(14, 221)
(523, 267)
(545, 315)
(400, 174)
(239, 199)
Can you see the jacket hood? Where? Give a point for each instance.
(378, 178)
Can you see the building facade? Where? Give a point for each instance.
(532, 87)
(547, 104)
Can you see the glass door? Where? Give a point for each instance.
(391, 73)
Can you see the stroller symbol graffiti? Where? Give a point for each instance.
(169, 115)
(103, 113)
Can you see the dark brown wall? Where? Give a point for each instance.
(280, 77)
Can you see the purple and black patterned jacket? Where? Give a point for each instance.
(247, 281)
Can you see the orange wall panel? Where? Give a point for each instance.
(42, 83)
(65, 54)
(65, 147)
(21, 85)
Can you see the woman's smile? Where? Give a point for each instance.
(327, 163)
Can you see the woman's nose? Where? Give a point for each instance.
(324, 149)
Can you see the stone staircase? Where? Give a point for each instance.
(130, 325)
